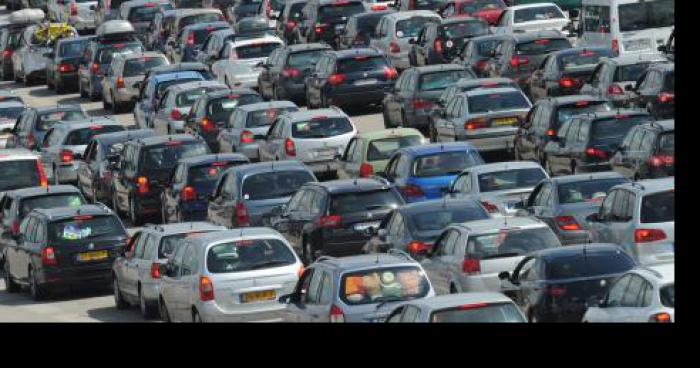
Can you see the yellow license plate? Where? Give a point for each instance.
(505, 121)
(93, 256)
(257, 296)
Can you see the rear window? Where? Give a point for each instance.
(83, 136)
(445, 163)
(485, 48)
(584, 57)
(658, 207)
(630, 73)
(510, 179)
(168, 244)
(642, 15)
(257, 50)
(586, 191)
(479, 313)
(295, 11)
(365, 201)
(491, 102)
(322, 127)
(276, 184)
(200, 18)
(134, 67)
(668, 296)
(162, 86)
(382, 149)
(542, 46)
(262, 118)
(538, 13)
(72, 49)
(50, 201)
(304, 60)
(667, 143)
(208, 174)
(441, 80)
(220, 109)
(669, 82)
(188, 98)
(464, 29)
(362, 64)
(567, 111)
(610, 131)
(86, 227)
(511, 242)
(368, 24)
(200, 35)
(438, 220)
(473, 6)
(383, 284)
(19, 174)
(47, 120)
(427, 4)
(165, 156)
(592, 264)
(148, 12)
(249, 255)
(411, 27)
(105, 56)
(340, 9)
(11, 113)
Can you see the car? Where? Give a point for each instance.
(564, 72)
(55, 11)
(350, 77)
(355, 289)
(394, 32)
(360, 29)
(416, 92)
(21, 169)
(152, 89)
(107, 10)
(439, 43)
(314, 137)
(184, 18)
(488, 10)
(271, 10)
(124, 76)
(240, 9)
(368, 153)
(669, 49)
(10, 96)
(425, 172)
(96, 168)
(80, 14)
(197, 67)
(585, 142)
(520, 54)
(116, 30)
(466, 85)
(487, 118)
(564, 203)
(140, 13)
(546, 118)
(96, 61)
(64, 247)
(554, 284)
(62, 63)
(9, 42)
(477, 307)
(253, 27)
(136, 274)
(532, 18)
(655, 91)
(404, 5)
(145, 166)
(28, 59)
(176, 102)
(289, 19)
(248, 124)
(283, 75)
(34, 122)
(614, 78)
(158, 30)
(640, 217)
(186, 195)
(211, 49)
(414, 227)
(241, 60)
(10, 111)
(477, 52)
(229, 276)
(65, 143)
(644, 294)
(191, 38)
(647, 152)
(323, 20)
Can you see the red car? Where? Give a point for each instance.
(489, 10)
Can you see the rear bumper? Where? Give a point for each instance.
(70, 79)
(594, 167)
(265, 312)
(148, 204)
(330, 166)
(417, 119)
(125, 96)
(490, 143)
(58, 278)
(335, 248)
(374, 95)
(574, 237)
(292, 89)
(67, 173)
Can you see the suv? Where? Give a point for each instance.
(323, 20)
(96, 60)
(120, 85)
(655, 91)
(9, 42)
(439, 43)
(289, 19)
(647, 152)
(283, 75)
(20, 169)
(477, 52)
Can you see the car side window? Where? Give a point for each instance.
(607, 206)
(40, 233)
(315, 203)
(616, 293)
(391, 167)
(632, 294)
(619, 209)
(149, 251)
(30, 229)
(294, 202)
(646, 295)
(572, 133)
(564, 129)
(543, 197)
(463, 183)
(582, 136)
(314, 292)
(229, 189)
(349, 150)
(449, 244)
(410, 314)
(187, 269)
(627, 142)
(647, 142)
(451, 110)
(326, 296)
(140, 245)
(396, 223)
(595, 78)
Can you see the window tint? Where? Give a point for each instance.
(491, 313)
(165, 156)
(50, 201)
(658, 207)
(445, 163)
(537, 14)
(429, 221)
(510, 179)
(512, 242)
(631, 296)
(72, 49)
(220, 109)
(364, 201)
(256, 50)
(411, 27)
(382, 149)
(386, 283)
(586, 191)
(668, 296)
(134, 67)
(104, 56)
(362, 64)
(47, 120)
(19, 174)
(613, 130)
(617, 292)
(594, 264)
(630, 73)
(83, 136)
(261, 118)
(304, 59)
(644, 15)
(247, 255)
(86, 227)
(148, 12)
(321, 127)
(565, 112)
(441, 80)
(275, 184)
(542, 46)
(497, 102)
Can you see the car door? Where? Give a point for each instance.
(612, 309)
(26, 249)
(215, 207)
(311, 300)
(391, 99)
(187, 285)
(593, 86)
(436, 265)
(626, 159)
(558, 152)
(169, 283)
(405, 97)
(274, 141)
(419, 47)
(131, 278)
(347, 168)
(600, 229)
(84, 174)
(295, 310)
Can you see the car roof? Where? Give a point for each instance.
(350, 185)
(664, 272)
(438, 68)
(136, 55)
(487, 91)
(565, 100)
(179, 67)
(456, 300)
(39, 191)
(189, 11)
(578, 249)
(492, 225)
(225, 32)
(233, 234)
(531, 36)
(176, 75)
(401, 15)
(387, 133)
(270, 166)
(489, 37)
(303, 115)
(484, 82)
(59, 213)
(75, 39)
(427, 149)
(365, 261)
(369, 51)
(160, 139)
(266, 105)
(634, 58)
(649, 185)
(56, 108)
(566, 179)
(263, 38)
(308, 46)
(370, 14)
(17, 154)
(525, 6)
(436, 204)
(195, 85)
(86, 123)
(109, 138)
(502, 166)
(205, 159)
(182, 227)
(198, 26)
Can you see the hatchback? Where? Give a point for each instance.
(9, 42)
(394, 32)
(289, 19)
(95, 62)
(323, 20)
(28, 58)
(647, 152)
(360, 29)
(242, 60)
(21, 169)
(529, 18)
(439, 43)
(191, 38)
(124, 76)
(176, 103)
(34, 122)
(152, 89)
(477, 307)
(488, 10)
(466, 85)
(62, 63)
(283, 75)
(478, 52)
(655, 91)
(368, 153)
(213, 45)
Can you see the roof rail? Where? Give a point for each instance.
(400, 253)
(637, 185)
(325, 259)
(652, 271)
(380, 179)
(655, 124)
(101, 205)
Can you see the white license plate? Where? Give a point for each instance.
(365, 82)
(326, 152)
(366, 225)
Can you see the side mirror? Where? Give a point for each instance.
(505, 275)
(211, 197)
(382, 233)
(520, 205)
(594, 217)
(412, 41)
(338, 157)
(286, 298)
(629, 88)
(662, 48)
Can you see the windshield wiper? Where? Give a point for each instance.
(501, 255)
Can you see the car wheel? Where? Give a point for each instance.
(433, 134)
(35, 289)
(92, 94)
(119, 300)
(136, 220)
(49, 84)
(164, 314)
(10, 285)
(60, 89)
(196, 318)
(147, 311)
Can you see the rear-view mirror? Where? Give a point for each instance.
(505, 275)
(662, 48)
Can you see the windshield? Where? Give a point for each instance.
(362, 64)
(668, 296)
(86, 227)
(630, 73)
(135, 67)
(11, 113)
(479, 313)
(275, 184)
(648, 14)
(587, 191)
(510, 179)
(262, 118)
(445, 163)
(340, 9)
(19, 174)
(51, 201)
(464, 29)
(441, 80)
(542, 46)
(83, 136)
(382, 149)
(473, 6)
(365, 201)
(565, 112)
(321, 127)
(164, 157)
(72, 49)
(658, 207)
(383, 284)
(47, 120)
(105, 55)
(187, 98)
(411, 27)
(590, 264)
(511, 242)
(147, 12)
(487, 103)
(206, 175)
(611, 131)
(248, 255)
(538, 14)
(667, 143)
(220, 109)
(304, 60)
(432, 221)
(584, 57)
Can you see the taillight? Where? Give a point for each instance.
(291, 72)
(189, 194)
(615, 45)
(190, 39)
(155, 270)
(291, 24)
(567, 223)
(301, 270)
(120, 83)
(438, 46)
(554, 290)
(614, 89)
(247, 136)
(394, 48)
(331, 221)
(31, 141)
(471, 266)
(420, 103)
(336, 79)
(95, 68)
(366, 170)
(44, 182)
(66, 156)
(567, 82)
(378, 7)
(551, 132)
(289, 147)
(319, 27)
(142, 184)
(66, 67)
(417, 246)
(475, 124)
(665, 97)
(661, 160)
(390, 72)
(517, 61)
(15, 227)
(48, 257)
(206, 289)
(482, 64)
(176, 114)
(490, 207)
(411, 190)
(648, 235)
(596, 152)
(268, 8)
(242, 214)
(661, 318)
(336, 315)
(207, 125)
(73, 9)
(6, 53)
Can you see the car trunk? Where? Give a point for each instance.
(580, 74)
(579, 211)
(509, 198)
(258, 209)
(91, 251)
(321, 149)
(491, 267)
(229, 288)
(572, 294)
(434, 187)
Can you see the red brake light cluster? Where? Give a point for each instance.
(648, 235)
(66, 156)
(661, 160)
(336, 315)
(142, 184)
(176, 114)
(417, 247)
(207, 125)
(665, 97)
(48, 256)
(331, 221)
(120, 83)
(289, 147)
(596, 152)
(189, 194)
(391, 73)
(567, 223)
(247, 136)
(394, 48)
(420, 103)
(366, 170)
(336, 79)
(471, 266)
(291, 72)
(614, 89)
(242, 214)
(411, 190)
(517, 61)
(43, 180)
(66, 68)
(490, 207)
(73, 9)
(206, 289)
(155, 270)
(567, 82)
(95, 68)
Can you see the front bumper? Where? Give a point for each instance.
(265, 312)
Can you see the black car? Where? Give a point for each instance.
(323, 20)
(62, 63)
(585, 142)
(546, 117)
(555, 284)
(350, 77)
(283, 76)
(332, 218)
(242, 9)
(477, 52)
(64, 247)
(648, 151)
(289, 19)
(9, 42)
(439, 43)
(145, 168)
(96, 61)
(655, 91)
(101, 154)
(360, 29)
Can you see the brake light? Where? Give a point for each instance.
(336, 79)
(390, 72)
(48, 257)
(615, 45)
(289, 147)
(472, 306)
(490, 207)
(150, 5)
(120, 83)
(554, 290)
(411, 190)
(190, 39)
(206, 289)
(291, 24)
(482, 64)
(475, 124)
(6, 53)
(44, 182)
(614, 89)
(66, 67)
(648, 235)
(581, 103)
(291, 72)
(665, 97)
(176, 114)
(242, 214)
(417, 247)
(320, 27)
(542, 41)
(567, 223)
(661, 318)
(31, 140)
(394, 48)
(95, 68)
(420, 103)
(471, 266)
(378, 7)
(661, 160)
(268, 8)
(596, 152)
(82, 217)
(66, 156)
(366, 170)
(142, 184)
(155, 270)
(15, 227)
(551, 132)
(567, 82)
(517, 61)
(331, 221)
(301, 271)
(207, 125)
(247, 136)
(336, 315)
(189, 194)
(73, 9)
(438, 46)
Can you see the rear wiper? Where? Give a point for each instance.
(376, 207)
(390, 300)
(501, 255)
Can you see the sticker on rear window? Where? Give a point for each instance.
(71, 232)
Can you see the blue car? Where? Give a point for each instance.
(425, 172)
(187, 196)
(155, 87)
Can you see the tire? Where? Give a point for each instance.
(136, 220)
(433, 134)
(81, 89)
(93, 96)
(10, 285)
(35, 290)
(147, 311)
(60, 88)
(119, 300)
(164, 314)
(115, 205)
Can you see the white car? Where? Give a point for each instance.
(644, 294)
(532, 18)
(240, 60)
(56, 11)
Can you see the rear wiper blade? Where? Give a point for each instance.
(377, 206)
(390, 300)
(501, 255)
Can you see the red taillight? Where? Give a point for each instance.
(301, 271)
(394, 48)
(648, 235)
(291, 24)
(15, 227)
(142, 184)
(417, 247)
(95, 68)
(176, 114)
(567, 82)
(66, 156)
(551, 132)
(44, 182)
(190, 39)
(567, 223)
(482, 64)
(517, 61)
(155, 270)
(336, 79)
(242, 214)
(378, 7)
(247, 136)
(268, 8)
(6, 53)
(291, 72)
(390, 72)
(31, 141)
(66, 68)
(471, 266)
(614, 89)
(616, 45)
(596, 152)
(366, 170)
(48, 257)
(336, 315)
(490, 207)
(289, 147)
(661, 160)
(475, 124)
(438, 46)
(665, 97)
(554, 290)
(206, 289)
(420, 103)
(411, 190)
(189, 194)
(73, 9)
(207, 125)
(319, 27)
(331, 221)
(120, 83)
(661, 318)
(472, 306)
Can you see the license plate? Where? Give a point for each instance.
(365, 82)
(92, 256)
(256, 296)
(366, 225)
(326, 152)
(504, 121)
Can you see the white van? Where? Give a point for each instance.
(628, 26)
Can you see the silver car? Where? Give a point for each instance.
(136, 274)
(229, 276)
(176, 103)
(28, 60)
(241, 60)
(478, 307)
(123, 78)
(249, 124)
(314, 137)
(468, 257)
(80, 14)
(141, 12)
(394, 32)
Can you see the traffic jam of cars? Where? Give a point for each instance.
(516, 165)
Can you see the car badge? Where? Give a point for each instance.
(91, 246)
